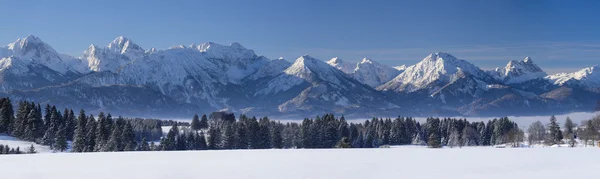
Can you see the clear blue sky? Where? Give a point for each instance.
(558, 35)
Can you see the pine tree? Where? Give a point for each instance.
(144, 145)
(569, 132)
(61, 139)
(102, 132)
(555, 134)
(204, 122)
(434, 139)
(6, 115)
(275, 136)
(79, 140)
(228, 136)
(201, 141)
(241, 135)
(214, 135)
(195, 125)
(129, 142)
(31, 149)
(90, 136)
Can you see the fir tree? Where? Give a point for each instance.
(144, 145)
(6, 115)
(61, 139)
(204, 122)
(213, 138)
(195, 125)
(90, 136)
(555, 134)
(31, 149)
(129, 142)
(434, 138)
(79, 141)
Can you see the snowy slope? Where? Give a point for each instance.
(313, 85)
(518, 71)
(119, 52)
(457, 163)
(32, 49)
(439, 68)
(372, 73)
(400, 68)
(274, 67)
(23, 145)
(342, 65)
(588, 77)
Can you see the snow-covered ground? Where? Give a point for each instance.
(23, 145)
(403, 162)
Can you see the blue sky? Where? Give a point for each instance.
(558, 35)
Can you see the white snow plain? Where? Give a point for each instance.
(403, 162)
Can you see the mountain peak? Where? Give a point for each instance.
(123, 45)
(440, 67)
(342, 65)
(518, 71)
(367, 60)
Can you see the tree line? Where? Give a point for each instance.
(551, 134)
(87, 133)
(223, 131)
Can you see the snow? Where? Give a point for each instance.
(372, 73)
(400, 68)
(304, 69)
(518, 71)
(32, 49)
(588, 77)
(342, 65)
(404, 162)
(440, 66)
(23, 145)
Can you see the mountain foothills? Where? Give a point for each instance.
(124, 78)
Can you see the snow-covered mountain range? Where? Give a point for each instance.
(124, 78)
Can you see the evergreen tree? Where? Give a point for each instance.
(555, 134)
(144, 145)
(169, 142)
(213, 138)
(204, 122)
(79, 140)
(195, 125)
(569, 132)
(90, 136)
(343, 143)
(241, 136)
(264, 133)
(6, 115)
(31, 149)
(128, 137)
(253, 133)
(275, 136)
(434, 139)
(228, 136)
(61, 139)
(201, 141)
(102, 131)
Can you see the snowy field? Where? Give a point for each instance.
(23, 145)
(403, 162)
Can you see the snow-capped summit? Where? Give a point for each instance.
(518, 71)
(34, 50)
(342, 65)
(125, 46)
(274, 67)
(234, 51)
(437, 67)
(372, 73)
(400, 68)
(588, 77)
